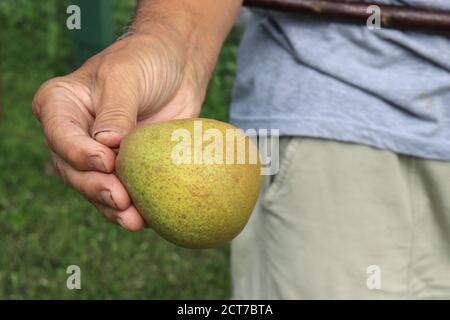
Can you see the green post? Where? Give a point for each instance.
(96, 28)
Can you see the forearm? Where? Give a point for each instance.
(202, 25)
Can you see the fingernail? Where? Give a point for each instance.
(120, 222)
(107, 198)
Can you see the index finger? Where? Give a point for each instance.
(66, 121)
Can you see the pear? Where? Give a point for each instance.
(195, 181)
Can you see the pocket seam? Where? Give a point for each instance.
(275, 187)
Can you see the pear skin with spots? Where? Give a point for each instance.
(193, 184)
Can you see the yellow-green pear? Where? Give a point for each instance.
(195, 181)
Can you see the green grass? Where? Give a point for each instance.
(44, 226)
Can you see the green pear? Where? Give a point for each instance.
(195, 181)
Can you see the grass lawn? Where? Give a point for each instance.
(44, 226)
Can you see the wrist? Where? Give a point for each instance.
(198, 26)
(197, 62)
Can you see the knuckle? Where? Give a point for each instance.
(35, 108)
(46, 90)
(76, 155)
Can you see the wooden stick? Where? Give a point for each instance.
(392, 16)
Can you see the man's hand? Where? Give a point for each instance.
(158, 73)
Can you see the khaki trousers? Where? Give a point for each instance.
(346, 221)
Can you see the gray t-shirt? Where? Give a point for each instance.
(385, 88)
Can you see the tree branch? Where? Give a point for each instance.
(392, 16)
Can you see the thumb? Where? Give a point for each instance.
(116, 114)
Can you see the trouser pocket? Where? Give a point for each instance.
(274, 184)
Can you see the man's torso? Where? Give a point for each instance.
(311, 77)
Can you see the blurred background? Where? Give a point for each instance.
(44, 226)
